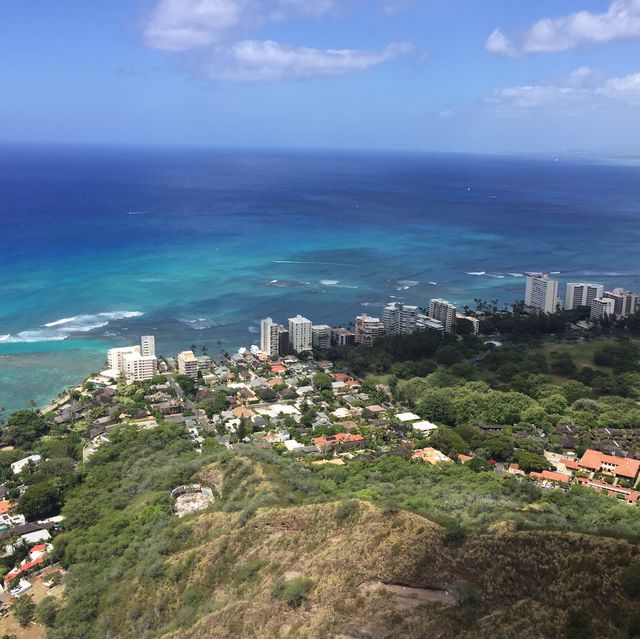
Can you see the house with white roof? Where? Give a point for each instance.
(21, 464)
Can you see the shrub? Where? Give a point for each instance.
(46, 611)
(467, 595)
(578, 626)
(455, 536)
(23, 608)
(631, 581)
(346, 510)
(293, 591)
(250, 569)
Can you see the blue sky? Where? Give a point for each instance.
(454, 75)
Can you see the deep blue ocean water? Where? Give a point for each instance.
(196, 246)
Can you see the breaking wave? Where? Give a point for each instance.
(59, 330)
(199, 324)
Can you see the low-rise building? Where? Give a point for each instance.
(21, 464)
(340, 440)
(431, 456)
(621, 467)
(627, 494)
(551, 476)
(426, 323)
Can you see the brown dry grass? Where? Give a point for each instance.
(525, 582)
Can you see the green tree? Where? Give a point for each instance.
(322, 381)
(448, 355)
(187, 384)
(41, 500)
(562, 364)
(23, 609)
(449, 442)
(24, 427)
(46, 611)
(479, 464)
(437, 406)
(532, 461)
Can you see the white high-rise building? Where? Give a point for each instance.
(602, 307)
(148, 346)
(188, 364)
(399, 319)
(541, 293)
(321, 336)
(625, 302)
(444, 312)
(300, 334)
(138, 368)
(368, 329)
(269, 337)
(115, 356)
(581, 295)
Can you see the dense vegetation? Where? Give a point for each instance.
(137, 571)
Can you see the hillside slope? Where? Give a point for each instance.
(263, 562)
(501, 585)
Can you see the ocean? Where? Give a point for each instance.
(101, 245)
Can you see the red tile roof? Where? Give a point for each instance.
(622, 467)
(630, 495)
(12, 574)
(375, 409)
(549, 475)
(341, 377)
(340, 438)
(571, 464)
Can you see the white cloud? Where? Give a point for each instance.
(396, 7)
(286, 9)
(626, 88)
(181, 25)
(265, 60)
(211, 34)
(447, 114)
(553, 35)
(499, 43)
(583, 90)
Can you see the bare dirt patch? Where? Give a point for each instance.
(404, 597)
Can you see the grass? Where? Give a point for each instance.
(581, 351)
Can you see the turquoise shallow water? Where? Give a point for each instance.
(197, 246)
